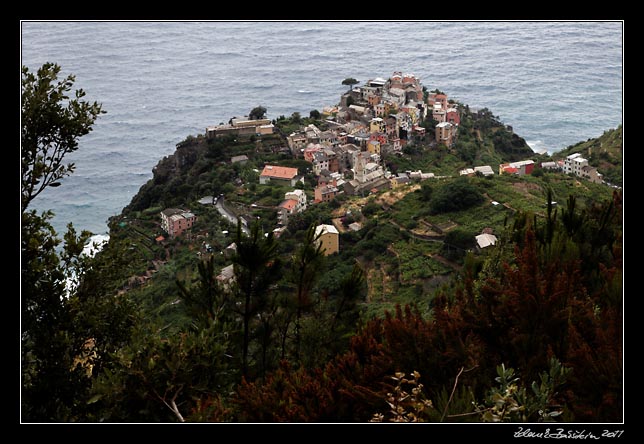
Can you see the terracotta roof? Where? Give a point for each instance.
(289, 204)
(279, 172)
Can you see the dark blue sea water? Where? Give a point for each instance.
(556, 83)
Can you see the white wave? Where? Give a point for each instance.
(537, 146)
(95, 244)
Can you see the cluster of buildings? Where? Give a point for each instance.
(578, 166)
(575, 164)
(381, 115)
(370, 121)
(519, 168)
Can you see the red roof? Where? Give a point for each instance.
(289, 204)
(279, 172)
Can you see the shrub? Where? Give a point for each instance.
(457, 195)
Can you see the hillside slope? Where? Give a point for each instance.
(604, 152)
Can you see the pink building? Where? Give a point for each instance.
(175, 221)
(452, 116)
(326, 192)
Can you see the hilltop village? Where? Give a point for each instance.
(303, 269)
(377, 119)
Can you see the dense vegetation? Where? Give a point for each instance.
(408, 322)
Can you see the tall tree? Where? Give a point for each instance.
(68, 323)
(256, 268)
(305, 266)
(52, 123)
(350, 81)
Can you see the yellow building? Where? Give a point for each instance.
(329, 238)
(377, 125)
(373, 146)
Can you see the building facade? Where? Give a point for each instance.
(328, 238)
(175, 221)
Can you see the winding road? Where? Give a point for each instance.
(232, 218)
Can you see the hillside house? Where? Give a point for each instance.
(299, 196)
(328, 237)
(578, 165)
(296, 143)
(591, 174)
(226, 276)
(320, 162)
(374, 146)
(280, 174)
(466, 172)
(452, 116)
(175, 221)
(521, 167)
(241, 159)
(574, 163)
(312, 133)
(285, 209)
(310, 151)
(552, 166)
(346, 155)
(438, 113)
(485, 240)
(326, 192)
(445, 133)
(377, 125)
(485, 170)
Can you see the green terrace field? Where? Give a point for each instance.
(412, 251)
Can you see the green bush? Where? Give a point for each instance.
(454, 196)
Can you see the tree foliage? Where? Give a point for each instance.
(257, 267)
(52, 123)
(70, 322)
(350, 81)
(454, 196)
(259, 112)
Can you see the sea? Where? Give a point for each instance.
(555, 82)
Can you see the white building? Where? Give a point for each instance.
(574, 164)
(485, 240)
(299, 196)
(485, 170)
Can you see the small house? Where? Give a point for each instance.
(276, 173)
(175, 221)
(328, 237)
